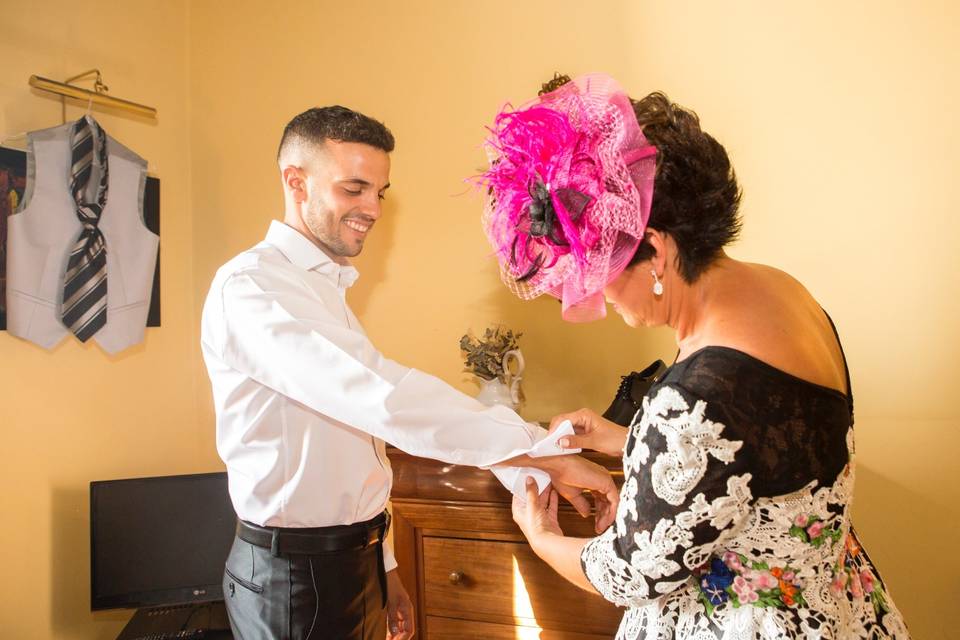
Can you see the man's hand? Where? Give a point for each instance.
(592, 432)
(400, 618)
(571, 475)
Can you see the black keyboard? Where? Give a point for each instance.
(206, 621)
(187, 634)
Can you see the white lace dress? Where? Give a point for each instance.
(734, 518)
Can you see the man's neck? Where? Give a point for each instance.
(296, 223)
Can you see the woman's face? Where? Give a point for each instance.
(631, 295)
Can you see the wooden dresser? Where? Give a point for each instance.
(469, 570)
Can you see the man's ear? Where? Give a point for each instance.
(294, 182)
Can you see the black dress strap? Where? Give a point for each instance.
(846, 368)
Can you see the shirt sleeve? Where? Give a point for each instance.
(685, 493)
(279, 335)
(389, 559)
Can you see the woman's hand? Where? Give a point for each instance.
(572, 475)
(538, 516)
(592, 432)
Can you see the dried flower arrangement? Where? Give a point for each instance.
(483, 357)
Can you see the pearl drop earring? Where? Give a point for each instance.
(657, 285)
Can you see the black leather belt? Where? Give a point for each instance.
(309, 541)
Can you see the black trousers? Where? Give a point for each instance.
(335, 596)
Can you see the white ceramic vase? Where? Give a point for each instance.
(504, 393)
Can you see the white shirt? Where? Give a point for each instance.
(304, 401)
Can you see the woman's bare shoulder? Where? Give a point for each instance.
(771, 316)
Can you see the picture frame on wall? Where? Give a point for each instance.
(13, 179)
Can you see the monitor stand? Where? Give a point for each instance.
(203, 620)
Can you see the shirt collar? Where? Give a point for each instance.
(306, 255)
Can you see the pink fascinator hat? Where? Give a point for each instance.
(569, 190)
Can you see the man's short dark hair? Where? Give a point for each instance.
(335, 123)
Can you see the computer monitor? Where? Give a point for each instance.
(159, 541)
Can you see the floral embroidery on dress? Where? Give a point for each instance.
(852, 575)
(811, 529)
(740, 581)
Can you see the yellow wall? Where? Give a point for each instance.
(75, 414)
(840, 122)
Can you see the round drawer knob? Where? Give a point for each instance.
(456, 577)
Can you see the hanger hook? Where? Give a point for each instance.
(98, 87)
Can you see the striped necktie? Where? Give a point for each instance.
(84, 309)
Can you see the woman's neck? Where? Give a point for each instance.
(691, 303)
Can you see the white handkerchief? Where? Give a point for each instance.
(514, 478)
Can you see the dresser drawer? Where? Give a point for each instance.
(450, 629)
(505, 582)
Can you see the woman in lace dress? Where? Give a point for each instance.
(734, 517)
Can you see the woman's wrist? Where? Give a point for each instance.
(540, 541)
(619, 443)
(612, 440)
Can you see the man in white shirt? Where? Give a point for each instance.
(304, 403)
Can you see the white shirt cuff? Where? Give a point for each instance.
(389, 560)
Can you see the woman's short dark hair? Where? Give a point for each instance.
(336, 123)
(695, 193)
